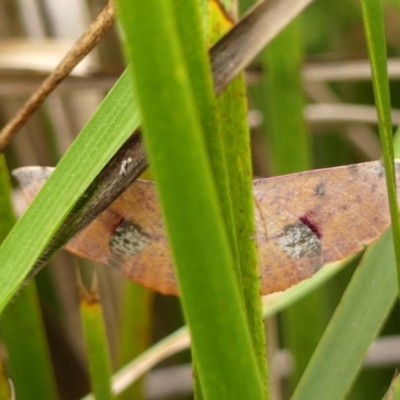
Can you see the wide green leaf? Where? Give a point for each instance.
(210, 296)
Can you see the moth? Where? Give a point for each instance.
(303, 221)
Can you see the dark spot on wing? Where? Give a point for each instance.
(299, 241)
(128, 239)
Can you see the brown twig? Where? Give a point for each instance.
(83, 46)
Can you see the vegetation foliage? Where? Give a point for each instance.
(279, 116)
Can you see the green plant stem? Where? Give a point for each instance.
(135, 330)
(21, 325)
(96, 343)
(376, 43)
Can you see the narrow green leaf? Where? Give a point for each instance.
(96, 343)
(232, 106)
(135, 330)
(362, 311)
(112, 124)
(21, 325)
(23, 333)
(210, 296)
(376, 43)
(233, 128)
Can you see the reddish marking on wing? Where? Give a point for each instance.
(118, 221)
(305, 219)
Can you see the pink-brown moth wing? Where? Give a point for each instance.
(303, 221)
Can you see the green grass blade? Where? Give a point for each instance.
(21, 325)
(376, 43)
(210, 295)
(232, 106)
(23, 333)
(135, 330)
(96, 342)
(112, 124)
(233, 127)
(362, 311)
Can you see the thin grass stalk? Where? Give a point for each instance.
(23, 333)
(23, 320)
(232, 106)
(376, 43)
(233, 125)
(96, 342)
(135, 330)
(221, 341)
